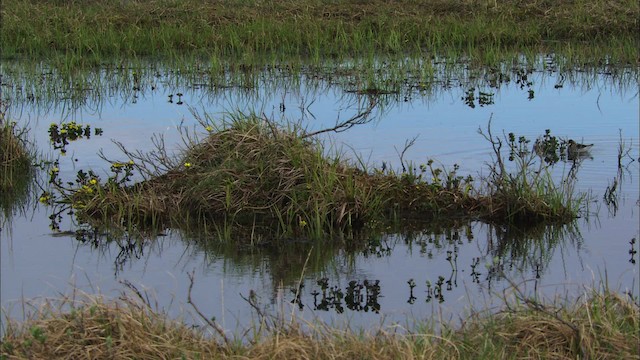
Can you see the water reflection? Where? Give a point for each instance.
(400, 273)
(300, 268)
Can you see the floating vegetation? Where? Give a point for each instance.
(61, 135)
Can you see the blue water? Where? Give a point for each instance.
(594, 108)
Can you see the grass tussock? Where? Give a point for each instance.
(277, 181)
(92, 31)
(97, 329)
(251, 172)
(600, 326)
(16, 175)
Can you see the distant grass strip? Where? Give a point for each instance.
(279, 181)
(93, 31)
(600, 326)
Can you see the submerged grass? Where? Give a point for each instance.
(266, 181)
(600, 325)
(91, 32)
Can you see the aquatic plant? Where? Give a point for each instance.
(526, 194)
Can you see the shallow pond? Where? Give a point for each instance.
(396, 278)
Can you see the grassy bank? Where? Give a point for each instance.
(91, 32)
(267, 180)
(600, 325)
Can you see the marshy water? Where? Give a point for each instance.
(398, 277)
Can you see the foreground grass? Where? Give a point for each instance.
(602, 325)
(91, 32)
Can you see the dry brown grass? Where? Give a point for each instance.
(601, 326)
(93, 328)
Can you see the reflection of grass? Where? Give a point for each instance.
(528, 249)
(277, 182)
(16, 173)
(90, 31)
(410, 78)
(603, 325)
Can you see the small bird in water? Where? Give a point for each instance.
(577, 148)
(578, 151)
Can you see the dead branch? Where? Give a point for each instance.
(209, 322)
(358, 119)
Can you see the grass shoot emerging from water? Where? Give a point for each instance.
(601, 324)
(278, 181)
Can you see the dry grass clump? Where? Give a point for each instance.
(276, 181)
(253, 173)
(601, 326)
(97, 329)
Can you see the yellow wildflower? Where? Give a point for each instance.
(187, 164)
(93, 181)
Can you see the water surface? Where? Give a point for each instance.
(393, 278)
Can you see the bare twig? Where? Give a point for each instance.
(358, 119)
(252, 302)
(407, 145)
(209, 322)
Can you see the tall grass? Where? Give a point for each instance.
(91, 32)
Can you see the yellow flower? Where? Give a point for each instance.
(44, 199)
(187, 164)
(209, 128)
(303, 223)
(63, 131)
(93, 181)
(54, 170)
